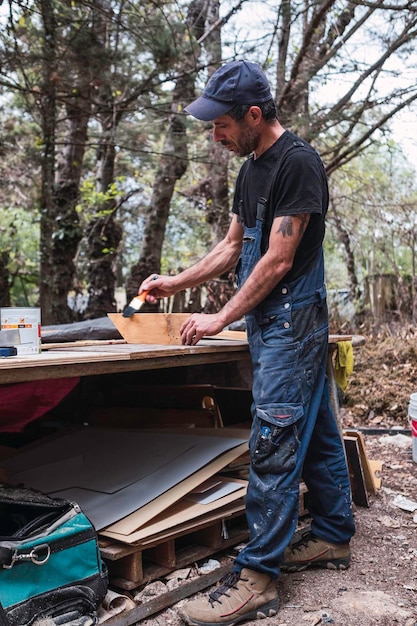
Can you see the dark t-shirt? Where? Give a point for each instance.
(299, 186)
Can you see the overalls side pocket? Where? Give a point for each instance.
(274, 439)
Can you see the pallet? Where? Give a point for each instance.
(134, 566)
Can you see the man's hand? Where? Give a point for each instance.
(198, 326)
(158, 287)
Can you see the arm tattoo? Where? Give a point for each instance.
(285, 227)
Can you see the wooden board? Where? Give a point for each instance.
(376, 468)
(67, 362)
(82, 343)
(370, 469)
(356, 475)
(150, 328)
(169, 598)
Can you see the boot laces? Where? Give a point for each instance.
(306, 538)
(227, 582)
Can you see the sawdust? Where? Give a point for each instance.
(380, 587)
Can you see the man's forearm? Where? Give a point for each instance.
(221, 259)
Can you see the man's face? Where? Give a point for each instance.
(238, 137)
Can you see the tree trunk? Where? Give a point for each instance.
(172, 167)
(218, 209)
(103, 236)
(4, 279)
(67, 231)
(47, 105)
(344, 238)
(60, 229)
(103, 232)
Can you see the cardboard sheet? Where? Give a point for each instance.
(183, 511)
(146, 513)
(112, 473)
(219, 487)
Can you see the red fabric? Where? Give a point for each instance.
(22, 403)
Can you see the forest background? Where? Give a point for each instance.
(104, 179)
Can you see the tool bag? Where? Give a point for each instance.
(50, 563)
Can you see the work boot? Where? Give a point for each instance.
(313, 551)
(241, 596)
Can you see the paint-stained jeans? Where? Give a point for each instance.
(294, 432)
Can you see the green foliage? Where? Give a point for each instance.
(95, 203)
(187, 236)
(19, 238)
(335, 264)
(375, 197)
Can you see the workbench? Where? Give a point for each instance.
(96, 358)
(104, 357)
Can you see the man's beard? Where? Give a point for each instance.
(246, 143)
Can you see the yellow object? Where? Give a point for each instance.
(343, 365)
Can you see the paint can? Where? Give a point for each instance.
(26, 323)
(412, 416)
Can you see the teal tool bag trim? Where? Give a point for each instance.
(50, 563)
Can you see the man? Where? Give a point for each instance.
(275, 237)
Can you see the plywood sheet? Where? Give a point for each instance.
(150, 328)
(181, 512)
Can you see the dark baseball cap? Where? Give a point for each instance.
(237, 82)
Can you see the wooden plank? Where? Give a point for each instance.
(376, 467)
(163, 554)
(82, 343)
(128, 568)
(169, 598)
(114, 359)
(119, 358)
(239, 335)
(180, 547)
(129, 528)
(211, 536)
(368, 471)
(63, 356)
(150, 328)
(357, 479)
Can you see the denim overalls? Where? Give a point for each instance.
(294, 432)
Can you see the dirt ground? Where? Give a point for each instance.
(380, 587)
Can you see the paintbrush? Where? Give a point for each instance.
(137, 302)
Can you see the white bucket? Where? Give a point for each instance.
(412, 415)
